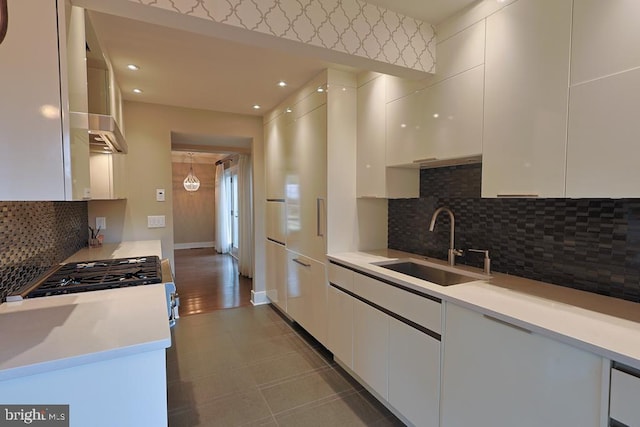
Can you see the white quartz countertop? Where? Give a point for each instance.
(44, 334)
(606, 326)
(57, 332)
(118, 250)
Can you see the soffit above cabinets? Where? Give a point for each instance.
(431, 11)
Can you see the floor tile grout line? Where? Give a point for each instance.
(300, 376)
(317, 403)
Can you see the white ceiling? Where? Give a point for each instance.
(191, 70)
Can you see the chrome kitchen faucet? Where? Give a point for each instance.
(453, 253)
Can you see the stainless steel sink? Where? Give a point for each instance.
(431, 273)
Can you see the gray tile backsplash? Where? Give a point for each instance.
(588, 244)
(34, 236)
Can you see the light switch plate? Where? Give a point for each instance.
(155, 221)
(159, 194)
(101, 223)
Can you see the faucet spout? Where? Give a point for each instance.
(452, 253)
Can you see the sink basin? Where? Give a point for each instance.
(430, 273)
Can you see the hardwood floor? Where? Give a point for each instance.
(207, 281)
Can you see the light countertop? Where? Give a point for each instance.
(57, 332)
(118, 250)
(43, 334)
(606, 326)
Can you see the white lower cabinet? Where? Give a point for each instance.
(307, 294)
(498, 375)
(625, 389)
(399, 362)
(340, 327)
(276, 267)
(371, 346)
(414, 374)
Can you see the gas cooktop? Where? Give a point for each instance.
(94, 276)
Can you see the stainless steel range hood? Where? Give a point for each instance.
(104, 134)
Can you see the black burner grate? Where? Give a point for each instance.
(99, 275)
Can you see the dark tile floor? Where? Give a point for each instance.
(248, 366)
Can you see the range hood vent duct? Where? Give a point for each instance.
(104, 134)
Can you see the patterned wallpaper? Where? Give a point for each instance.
(347, 26)
(34, 236)
(588, 244)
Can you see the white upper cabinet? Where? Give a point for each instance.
(374, 179)
(275, 157)
(32, 163)
(460, 52)
(108, 180)
(443, 121)
(604, 135)
(370, 179)
(604, 129)
(453, 117)
(406, 136)
(526, 98)
(605, 37)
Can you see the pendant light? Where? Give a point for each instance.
(191, 182)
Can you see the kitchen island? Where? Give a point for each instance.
(102, 352)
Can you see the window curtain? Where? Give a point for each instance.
(245, 220)
(222, 212)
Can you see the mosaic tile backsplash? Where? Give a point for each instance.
(587, 244)
(34, 236)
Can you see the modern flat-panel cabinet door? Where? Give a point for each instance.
(277, 275)
(306, 185)
(371, 160)
(31, 132)
(275, 157)
(299, 289)
(406, 134)
(498, 375)
(414, 374)
(340, 326)
(371, 346)
(604, 130)
(307, 294)
(526, 96)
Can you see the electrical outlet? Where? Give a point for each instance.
(155, 221)
(101, 223)
(159, 194)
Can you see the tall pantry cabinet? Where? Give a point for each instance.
(299, 136)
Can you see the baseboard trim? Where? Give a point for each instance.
(259, 298)
(193, 245)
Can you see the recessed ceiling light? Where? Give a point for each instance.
(136, 90)
(288, 110)
(282, 83)
(256, 107)
(133, 67)
(320, 89)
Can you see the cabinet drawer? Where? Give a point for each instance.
(625, 389)
(416, 308)
(341, 276)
